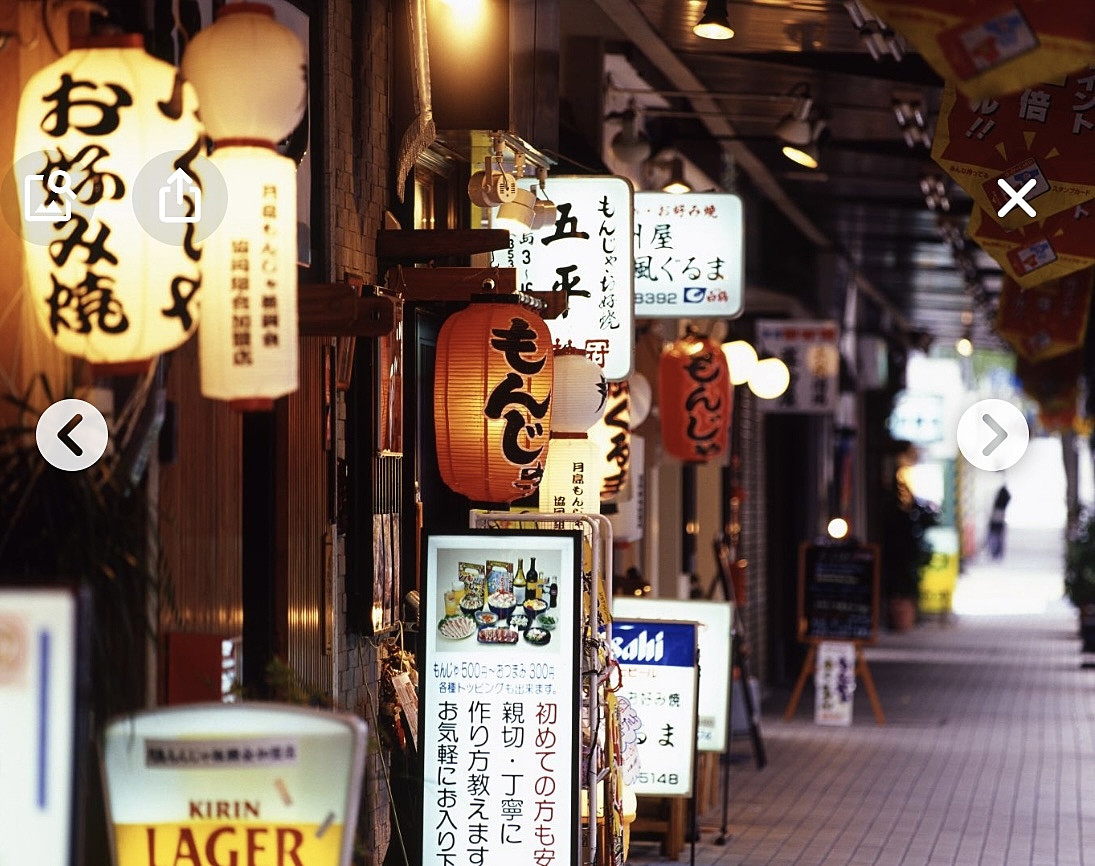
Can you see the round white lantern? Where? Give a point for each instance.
(579, 391)
(248, 339)
(769, 378)
(742, 359)
(642, 396)
(250, 73)
(106, 285)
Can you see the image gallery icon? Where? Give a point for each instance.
(55, 205)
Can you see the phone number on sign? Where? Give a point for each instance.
(501, 671)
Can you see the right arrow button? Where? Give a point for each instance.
(1001, 435)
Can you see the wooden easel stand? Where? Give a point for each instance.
(861, 671)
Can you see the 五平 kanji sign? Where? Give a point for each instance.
(586, 253)
(809, 349)
(689, 260)
(658, 674)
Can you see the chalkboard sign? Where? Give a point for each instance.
(838, 592)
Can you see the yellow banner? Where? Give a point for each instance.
(216, 843)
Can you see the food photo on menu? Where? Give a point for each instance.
(502, 601)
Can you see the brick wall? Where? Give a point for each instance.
(356, 193)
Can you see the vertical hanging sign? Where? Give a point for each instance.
(586, 253)
(658, 672)
(689, 257)
(809, 349)
(500, 700)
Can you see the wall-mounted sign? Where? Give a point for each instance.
(689, 257)
(714, 627)
(658, 672)
(587, 253)
(234, 783)
(500, 697)
(37, 706)
(809, 349)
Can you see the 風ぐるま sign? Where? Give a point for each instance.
(233, 785)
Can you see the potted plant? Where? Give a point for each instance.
(1080, 576)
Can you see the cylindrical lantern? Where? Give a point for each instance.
(640, 397)
(100, 133)
(612, 434)
(249, 72)
(571, 477)
(695, 398)
(248, 339)
(492, 401)
(580, 390)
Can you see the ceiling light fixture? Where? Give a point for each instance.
(715, 24)
(676, 183)
(799, 130)
(630, 145)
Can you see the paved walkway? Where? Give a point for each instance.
(987, 757)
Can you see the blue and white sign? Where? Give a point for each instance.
(37, 709)
(689, 256)
(714, 626)
(587, 253)
(658, 671)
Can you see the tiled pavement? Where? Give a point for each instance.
(987, 756)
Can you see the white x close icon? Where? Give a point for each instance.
(1016, 198)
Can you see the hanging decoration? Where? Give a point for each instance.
(696, 399)
(249, 72)
(571, 479)
(107, 285)
(493, 401)
(1048, 320)
(612, 436)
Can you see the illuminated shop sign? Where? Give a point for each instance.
(500, 701)
(713, 632)
(689, 258)
(658, 696)
(586, 253)
(220, 785)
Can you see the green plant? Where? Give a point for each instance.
(1080, 562)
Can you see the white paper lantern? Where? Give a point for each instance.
(250, 73)
(742, 358)
(248, 339)
(571, 477)
(108, 286)
(641, 397)
(579, 391)
(769, 378)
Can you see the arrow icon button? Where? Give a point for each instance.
(998, 440)
(72, 424)
(72, 435)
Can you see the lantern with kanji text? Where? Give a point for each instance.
(696, 399)
(492, 400)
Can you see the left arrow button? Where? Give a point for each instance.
(72, 435)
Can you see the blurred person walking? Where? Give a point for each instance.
(995, 540)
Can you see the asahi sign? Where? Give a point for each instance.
(658, 689)
(233, 785)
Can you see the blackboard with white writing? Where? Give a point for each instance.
(838, 592)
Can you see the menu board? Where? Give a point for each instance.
(838, 592)
(714, 620)
(657, 701)
(500, 699)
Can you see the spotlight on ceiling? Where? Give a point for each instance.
(799, 130)
(676, 183)
(630, 145)
(714, 24)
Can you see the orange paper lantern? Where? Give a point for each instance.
(696, 399)
(492, 401)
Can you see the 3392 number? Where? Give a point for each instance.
(655, 297)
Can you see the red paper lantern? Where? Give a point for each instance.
(695, 398)
(492, 401)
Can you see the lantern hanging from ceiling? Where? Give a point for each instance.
(612, 434)
(580, 391)
(493, 401)
(641, 398)
(99, 132)
(696, 399)
(249, 72)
